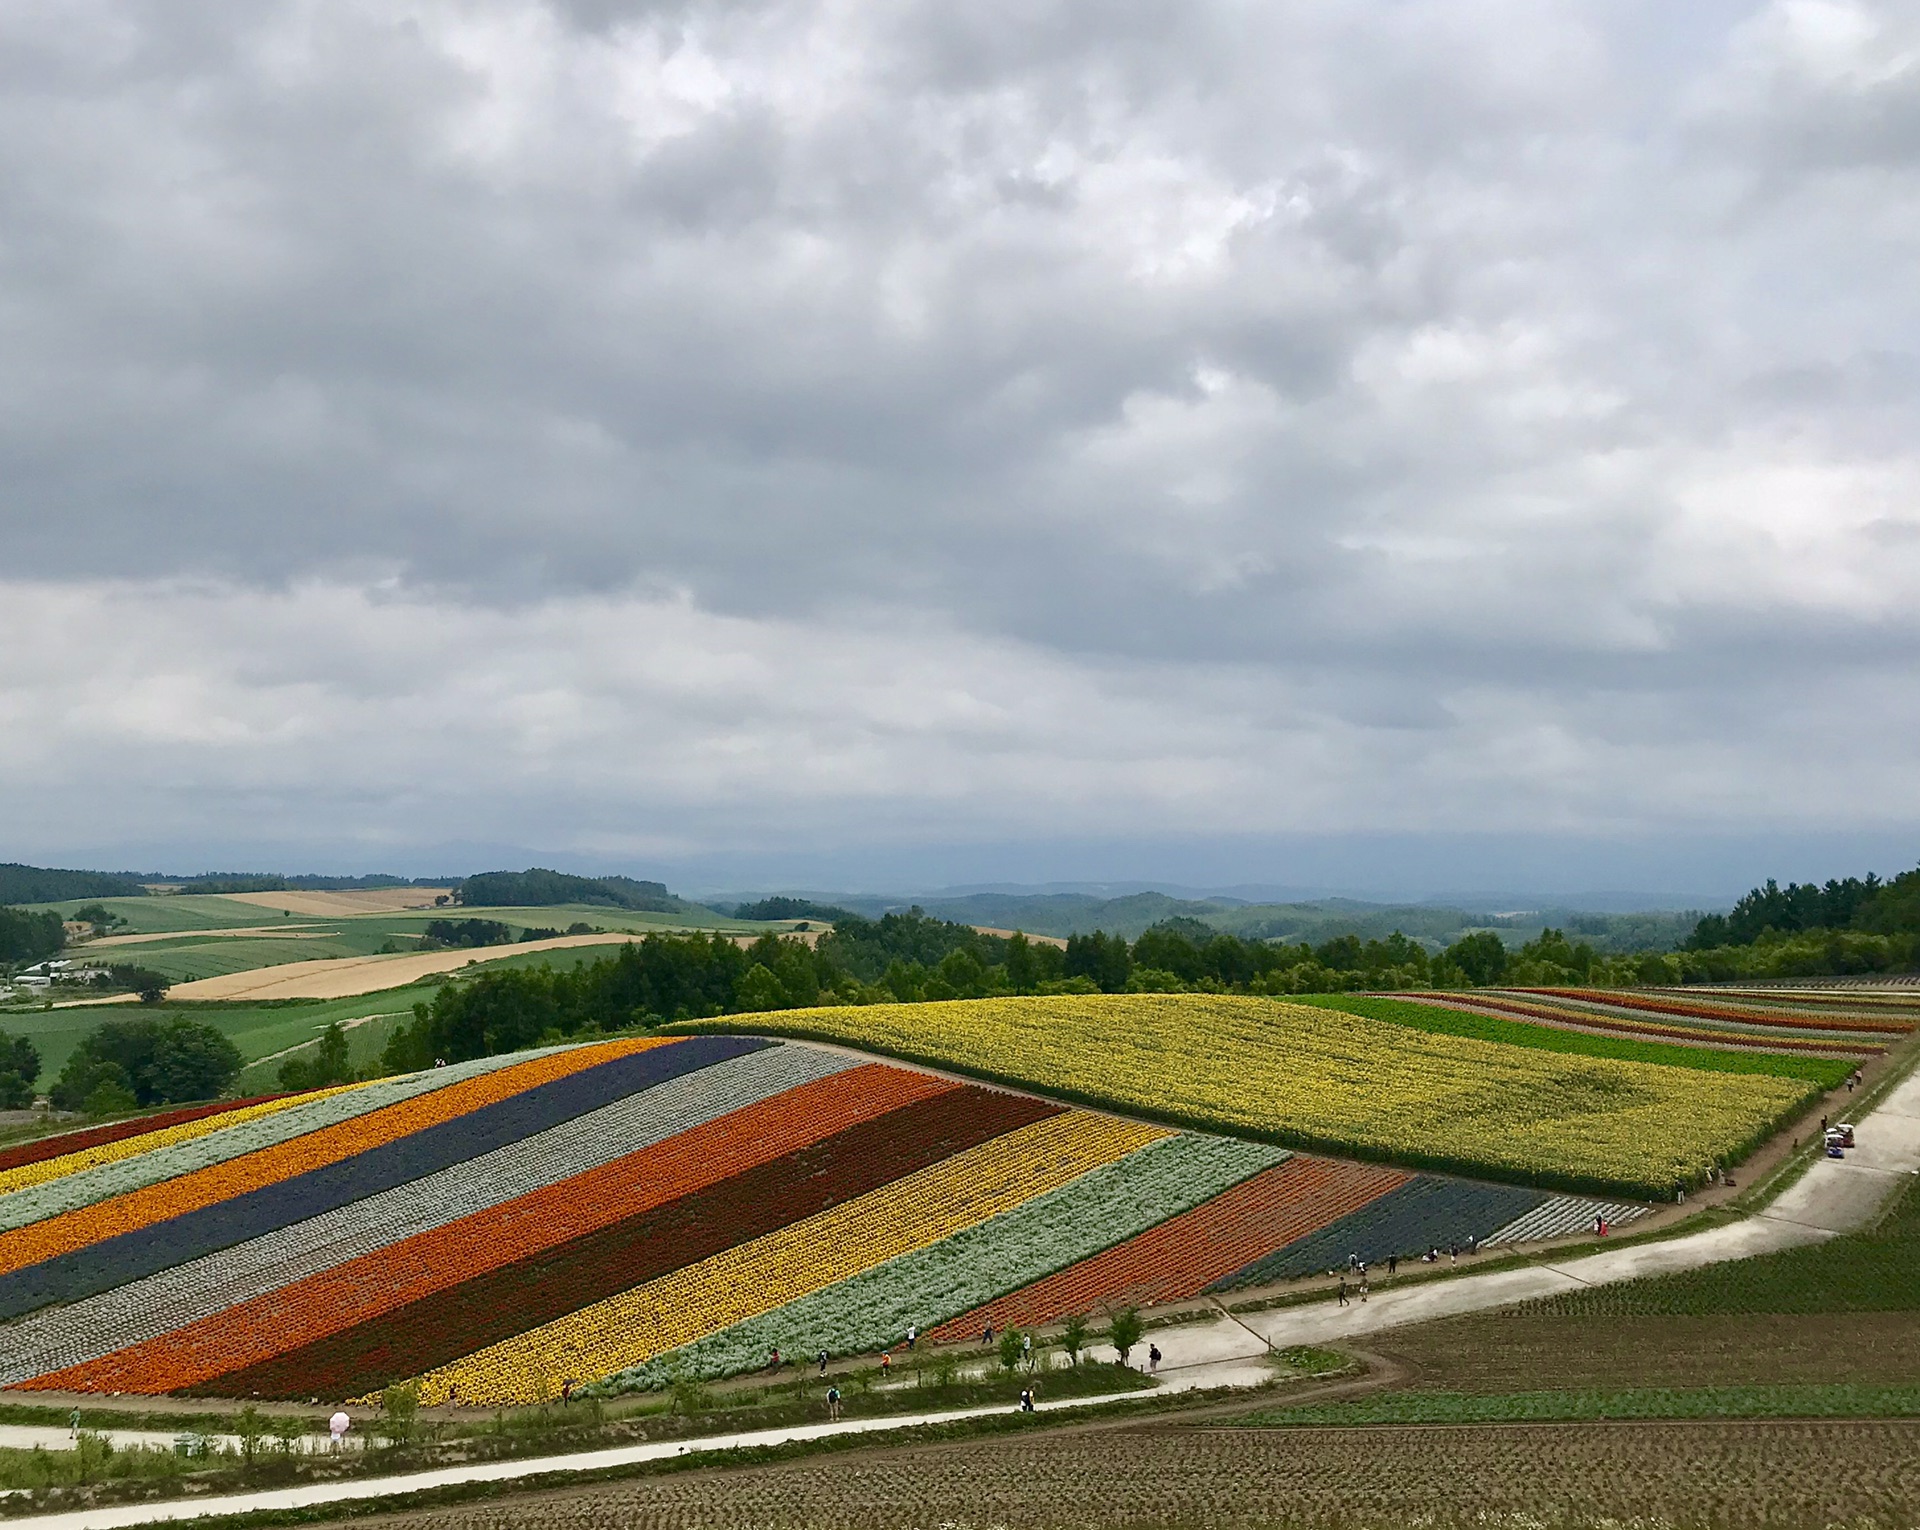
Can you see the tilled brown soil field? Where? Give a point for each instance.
(1521, 1352)
(1746, 1475)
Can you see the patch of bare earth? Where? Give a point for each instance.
(1775, 1473)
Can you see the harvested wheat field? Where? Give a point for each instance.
(345, 976)
(1779, 1474)
(345, 903)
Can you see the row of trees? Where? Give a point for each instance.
(1856, 925)
(30, 935)
(910, 958)
(125, 1064)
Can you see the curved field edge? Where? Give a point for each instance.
(1334, 1145)
(1436, 1020)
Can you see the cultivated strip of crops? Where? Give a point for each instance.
(683, 1211)
(67, 1339)
(1562, 1215)
(73, 1144)
(198, 1127)
(766, 1272)
(1751, 1015)
(101, 1247)
(1472, 1015)
(227, 1138)
(1701, 1033)
(1184, 1255)
(874, 1308)
(490, 1278)
(1340, 1082)
(1425, 1213)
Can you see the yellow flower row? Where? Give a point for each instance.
(769, 1271)
(1315, 1077)
(131, 1147)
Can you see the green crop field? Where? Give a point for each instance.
(258, 1030)
(1873, 1271)
(1834, 1400)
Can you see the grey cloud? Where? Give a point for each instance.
(1354, 374)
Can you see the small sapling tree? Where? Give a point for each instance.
(1126, 1331)
(1073, 1336)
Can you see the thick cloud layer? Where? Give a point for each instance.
(655, 430)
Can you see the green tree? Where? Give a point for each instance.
(108, 1098)
(761, 990)
(1023, 972)
(30, 935)
(156, 1062)
(329, 1064)
(250, 1426)
(399, 1414)
(1125, 1331)
(1073, 1336)
(19, 1071)
(1482, 956)
(1103, 958)
(1008, 1348)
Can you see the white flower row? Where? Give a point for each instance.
(1562, 1215)
(158, 1304)
(872, 1310)
(38, 1202)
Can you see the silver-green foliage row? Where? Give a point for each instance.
(1103, 1207)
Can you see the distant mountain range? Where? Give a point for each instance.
(1126, 909)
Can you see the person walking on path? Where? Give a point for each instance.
(833, 1404)
(1364, 1288)
(1343, 1292)
(823, 1362)
(912, 1334)
(1026, 1399)
(1026, 1350)
(1393, 1263)
(986, 1335)
(1153, 1357)
(337, 1426)
(886, 1362)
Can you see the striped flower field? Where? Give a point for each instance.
(627, 1213)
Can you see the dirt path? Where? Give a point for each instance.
(346, 976)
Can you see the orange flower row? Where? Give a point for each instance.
(76, 1229)
(365, 1288)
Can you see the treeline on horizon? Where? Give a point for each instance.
(912, 958)
(1856, 926)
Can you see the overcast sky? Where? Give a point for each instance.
(1473, 442)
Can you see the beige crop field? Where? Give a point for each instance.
(344, 904)
(343, 977)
